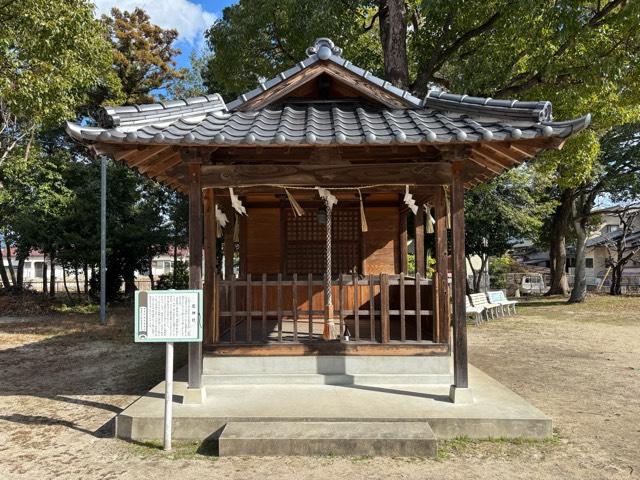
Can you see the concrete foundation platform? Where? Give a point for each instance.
(496, 411)
(404, 439)
(327, 370)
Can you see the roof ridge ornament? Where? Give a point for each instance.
(324, 48)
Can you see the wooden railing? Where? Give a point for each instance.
(374, 309)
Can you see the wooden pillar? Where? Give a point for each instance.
(195, 263)
(404, 238)
(441, 276)
(460, 362)
(210, 267)
(419, 242)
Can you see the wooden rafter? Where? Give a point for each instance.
(146, 154)
(488, 165)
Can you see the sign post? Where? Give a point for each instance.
(168, 316)
(168, 396)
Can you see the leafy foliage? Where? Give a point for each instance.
(255, 39)
(179, 279)
(52, 56)
(499, 213)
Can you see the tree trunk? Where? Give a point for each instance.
(474, 273)
(151, 280)
(64, 282)
(616, 274)
(129, 283)
(3, 273)
(20, 273)
(557, 249)
(44, 275)
(483, 270)
(579, 290)
(12, 272)
(175, 262)
(85, 270)
(393, 37)
(75, 271)
(52, 274)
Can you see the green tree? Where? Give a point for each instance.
(256, 39)
(190, 83)
(34, 198)
(52, 57)
(501, 212)
(616, 174)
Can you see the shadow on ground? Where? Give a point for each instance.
(76, 358)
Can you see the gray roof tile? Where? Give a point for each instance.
(299, 124)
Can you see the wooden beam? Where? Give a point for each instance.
(195, 264)
(275, 154)
(460, 361)
(432, 173)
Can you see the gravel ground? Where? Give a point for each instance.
(63, 379)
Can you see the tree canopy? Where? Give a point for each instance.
(52, 56)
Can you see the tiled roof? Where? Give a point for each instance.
(440, 117)
(336, 123)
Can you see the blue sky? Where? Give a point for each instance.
(190, 17)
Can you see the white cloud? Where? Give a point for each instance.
(187, 17)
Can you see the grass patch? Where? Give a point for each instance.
(361, 458)
(496, 445)
(80, 308)
(207, 450)
(597, 308)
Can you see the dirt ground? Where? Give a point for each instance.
(64, 378)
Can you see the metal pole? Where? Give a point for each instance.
(168, 396)
(103, 240)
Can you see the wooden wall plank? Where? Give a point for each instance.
(381, 241)
(263, 245)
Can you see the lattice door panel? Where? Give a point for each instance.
(305, 241)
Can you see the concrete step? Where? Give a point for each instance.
(326, 379)
(328, 438)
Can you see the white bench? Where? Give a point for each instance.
(476, 312)
(499, 298)
(481, 300)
